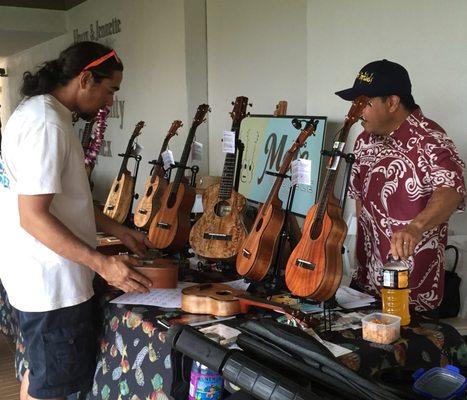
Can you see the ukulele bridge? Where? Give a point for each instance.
(110, 208)
(305, 264)
(246, 253)
(143, 211)
(163, 225)
(217, 236)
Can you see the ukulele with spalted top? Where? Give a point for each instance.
(220, 231)
(119, 199)
(155, 186)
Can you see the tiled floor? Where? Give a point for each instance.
(9, 386)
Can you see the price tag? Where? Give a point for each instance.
(335, 160)
(228, 142)
(168, 159)
(301, 171)
(196, 151)
(137, 149)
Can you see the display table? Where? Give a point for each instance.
(134, 363)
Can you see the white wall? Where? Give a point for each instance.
(426, 36)
(256, 49)
(152, 47)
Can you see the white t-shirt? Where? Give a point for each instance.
(41, 155)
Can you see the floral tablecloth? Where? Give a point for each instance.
(134, 364)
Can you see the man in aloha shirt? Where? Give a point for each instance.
(407, 180)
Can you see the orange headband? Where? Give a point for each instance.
(100, 60)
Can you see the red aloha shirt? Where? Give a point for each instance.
(394, 177)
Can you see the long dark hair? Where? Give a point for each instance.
(67, 66)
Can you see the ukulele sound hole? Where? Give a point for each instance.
(259, 225)
(224, 293)
(148, 193)
(116, 187)
(222, 209)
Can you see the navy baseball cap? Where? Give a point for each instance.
(379, 78)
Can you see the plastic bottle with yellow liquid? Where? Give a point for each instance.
(395, 292)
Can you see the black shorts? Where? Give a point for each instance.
(61, 348)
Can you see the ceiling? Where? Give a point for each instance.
(41, 25)
(45, 4)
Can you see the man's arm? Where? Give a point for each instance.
(36, 219)
(439, 208)
(134, 240)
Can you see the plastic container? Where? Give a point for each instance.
(396, 302)
(381, 328)
(439, 383)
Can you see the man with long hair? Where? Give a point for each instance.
(48, 231)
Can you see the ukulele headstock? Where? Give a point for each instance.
(356, 109)
(201, 113)
(309, 130)
(173, 129)
(239, 109)
(137, 131)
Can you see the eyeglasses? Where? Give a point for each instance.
(100, 60)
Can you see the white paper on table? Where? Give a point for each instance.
(165, 298)
(335, 349)
(239, 284)
(351, 298)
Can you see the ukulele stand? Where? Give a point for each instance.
(194, 171)
(276, 281)
(240, 147)
(349, 158)
(157, 163)
(129, 221)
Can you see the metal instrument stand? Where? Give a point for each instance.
(274, 281)
(194, 171)
(155, 163)
(240, 147)
(129, 220)
(349, 158)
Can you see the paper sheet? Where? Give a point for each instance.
(167, 298)
(351, 298)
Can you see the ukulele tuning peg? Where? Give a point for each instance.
(250, 104)
(233, 103)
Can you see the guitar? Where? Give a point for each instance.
(170, 227)
(222, 301)
(258, 251)
(219, 232)
(118, 201)
(155, 185)
(314, 268)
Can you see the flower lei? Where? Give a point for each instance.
(95, 145)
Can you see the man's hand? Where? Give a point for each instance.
(136, 241)
(117, 271)
(403, 242)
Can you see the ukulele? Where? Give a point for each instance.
(222, 301)
(258, 251)
(155, 185)
(170, 227)
(314, 268)
(118, 201)
(220, 231)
